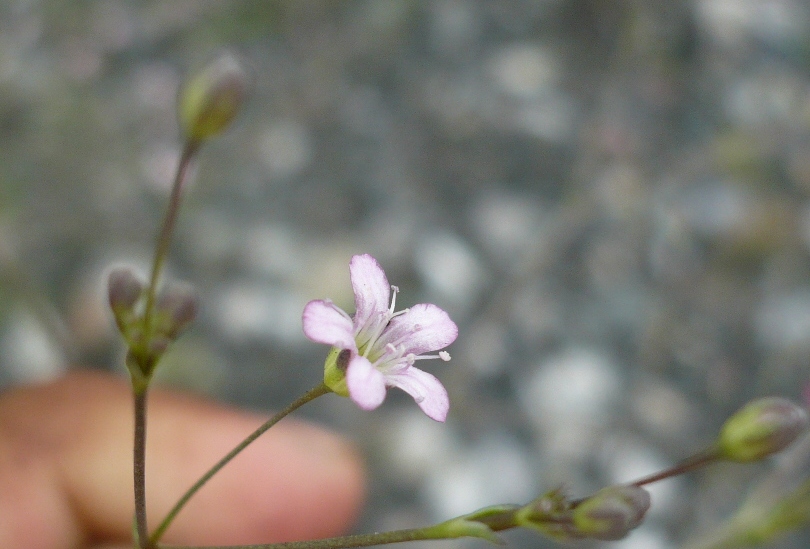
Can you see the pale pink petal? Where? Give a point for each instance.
(426, 390)
(372, 293)
(366, 383)
(325, 323)
(423, 328)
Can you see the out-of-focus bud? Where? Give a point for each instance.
(176, 309)
(124, 289)
(210, 99)
(761, 428)
(611, 513)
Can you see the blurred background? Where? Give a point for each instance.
(611, 199)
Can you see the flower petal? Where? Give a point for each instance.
(326, 323)
(365, 382)
(426, 390)
(423, 328)
(371, 289)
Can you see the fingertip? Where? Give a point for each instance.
(297, 481)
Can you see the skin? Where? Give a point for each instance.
(66, 470)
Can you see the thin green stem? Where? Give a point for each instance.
(357, 540)
(139, 468)
(500, 519)
(310, 395)
(165, 235)
(689, 464)
(141, 368)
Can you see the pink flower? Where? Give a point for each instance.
(377, 348)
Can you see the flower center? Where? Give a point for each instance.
(391, 356)
(376, 327)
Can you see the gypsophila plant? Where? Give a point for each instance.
(379, 347)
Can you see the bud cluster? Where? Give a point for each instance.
(609, 514)
(175, 308)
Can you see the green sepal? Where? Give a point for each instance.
(473, 525)
(550, 515)
(334, 374)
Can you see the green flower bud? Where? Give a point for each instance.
(761, 428)
(210, 99)
(611, 513)
(334, 371)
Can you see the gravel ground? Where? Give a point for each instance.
(611, 199)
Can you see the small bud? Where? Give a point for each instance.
(176, 308)
(611, 513)
(761, 428)
(124, 289)
(210, 99)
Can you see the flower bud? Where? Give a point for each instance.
(124, 289)
(611, 512)
(176, 308)
(210, 99)
(761, 428)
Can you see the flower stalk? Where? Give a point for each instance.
(142, 358)
(139, 467)
(309, 396)
(482, 524)
(149, 323)
(165, 235)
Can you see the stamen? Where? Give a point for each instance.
(380, 323)
(443, 356)
(402, 312)
(394, 292)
